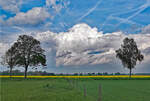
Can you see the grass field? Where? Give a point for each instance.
(67, 89)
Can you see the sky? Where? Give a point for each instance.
(78, 36)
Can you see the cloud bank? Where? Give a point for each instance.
(34, 16)
(12, 6)
(57, 5)
(83, 45)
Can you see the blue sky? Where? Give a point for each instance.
(106, 15)
(130, 17)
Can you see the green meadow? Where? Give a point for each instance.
(61, 89)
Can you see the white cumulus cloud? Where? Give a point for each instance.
(146, 29)
(34, 16)
(3, 48)
(11, 5)
(83, 45)
(57, 5)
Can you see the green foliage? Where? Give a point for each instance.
(25, 52)
(129, 53)
(9, 59)
(29, 52)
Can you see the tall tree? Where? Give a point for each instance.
(129, 54)
(9, 59)
(29, 53)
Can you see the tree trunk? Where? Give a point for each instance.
(130, 72)
(25, 72)
(10, 72)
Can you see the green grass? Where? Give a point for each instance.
(18, 89)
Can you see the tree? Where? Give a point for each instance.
(129, 54)
(9, 59)
(29, 53)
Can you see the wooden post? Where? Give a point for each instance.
(100, 93)
(85, 91)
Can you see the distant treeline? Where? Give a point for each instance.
(44, 73)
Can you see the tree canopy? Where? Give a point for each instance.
(29, 52)
(10, 58)
(129, 54)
